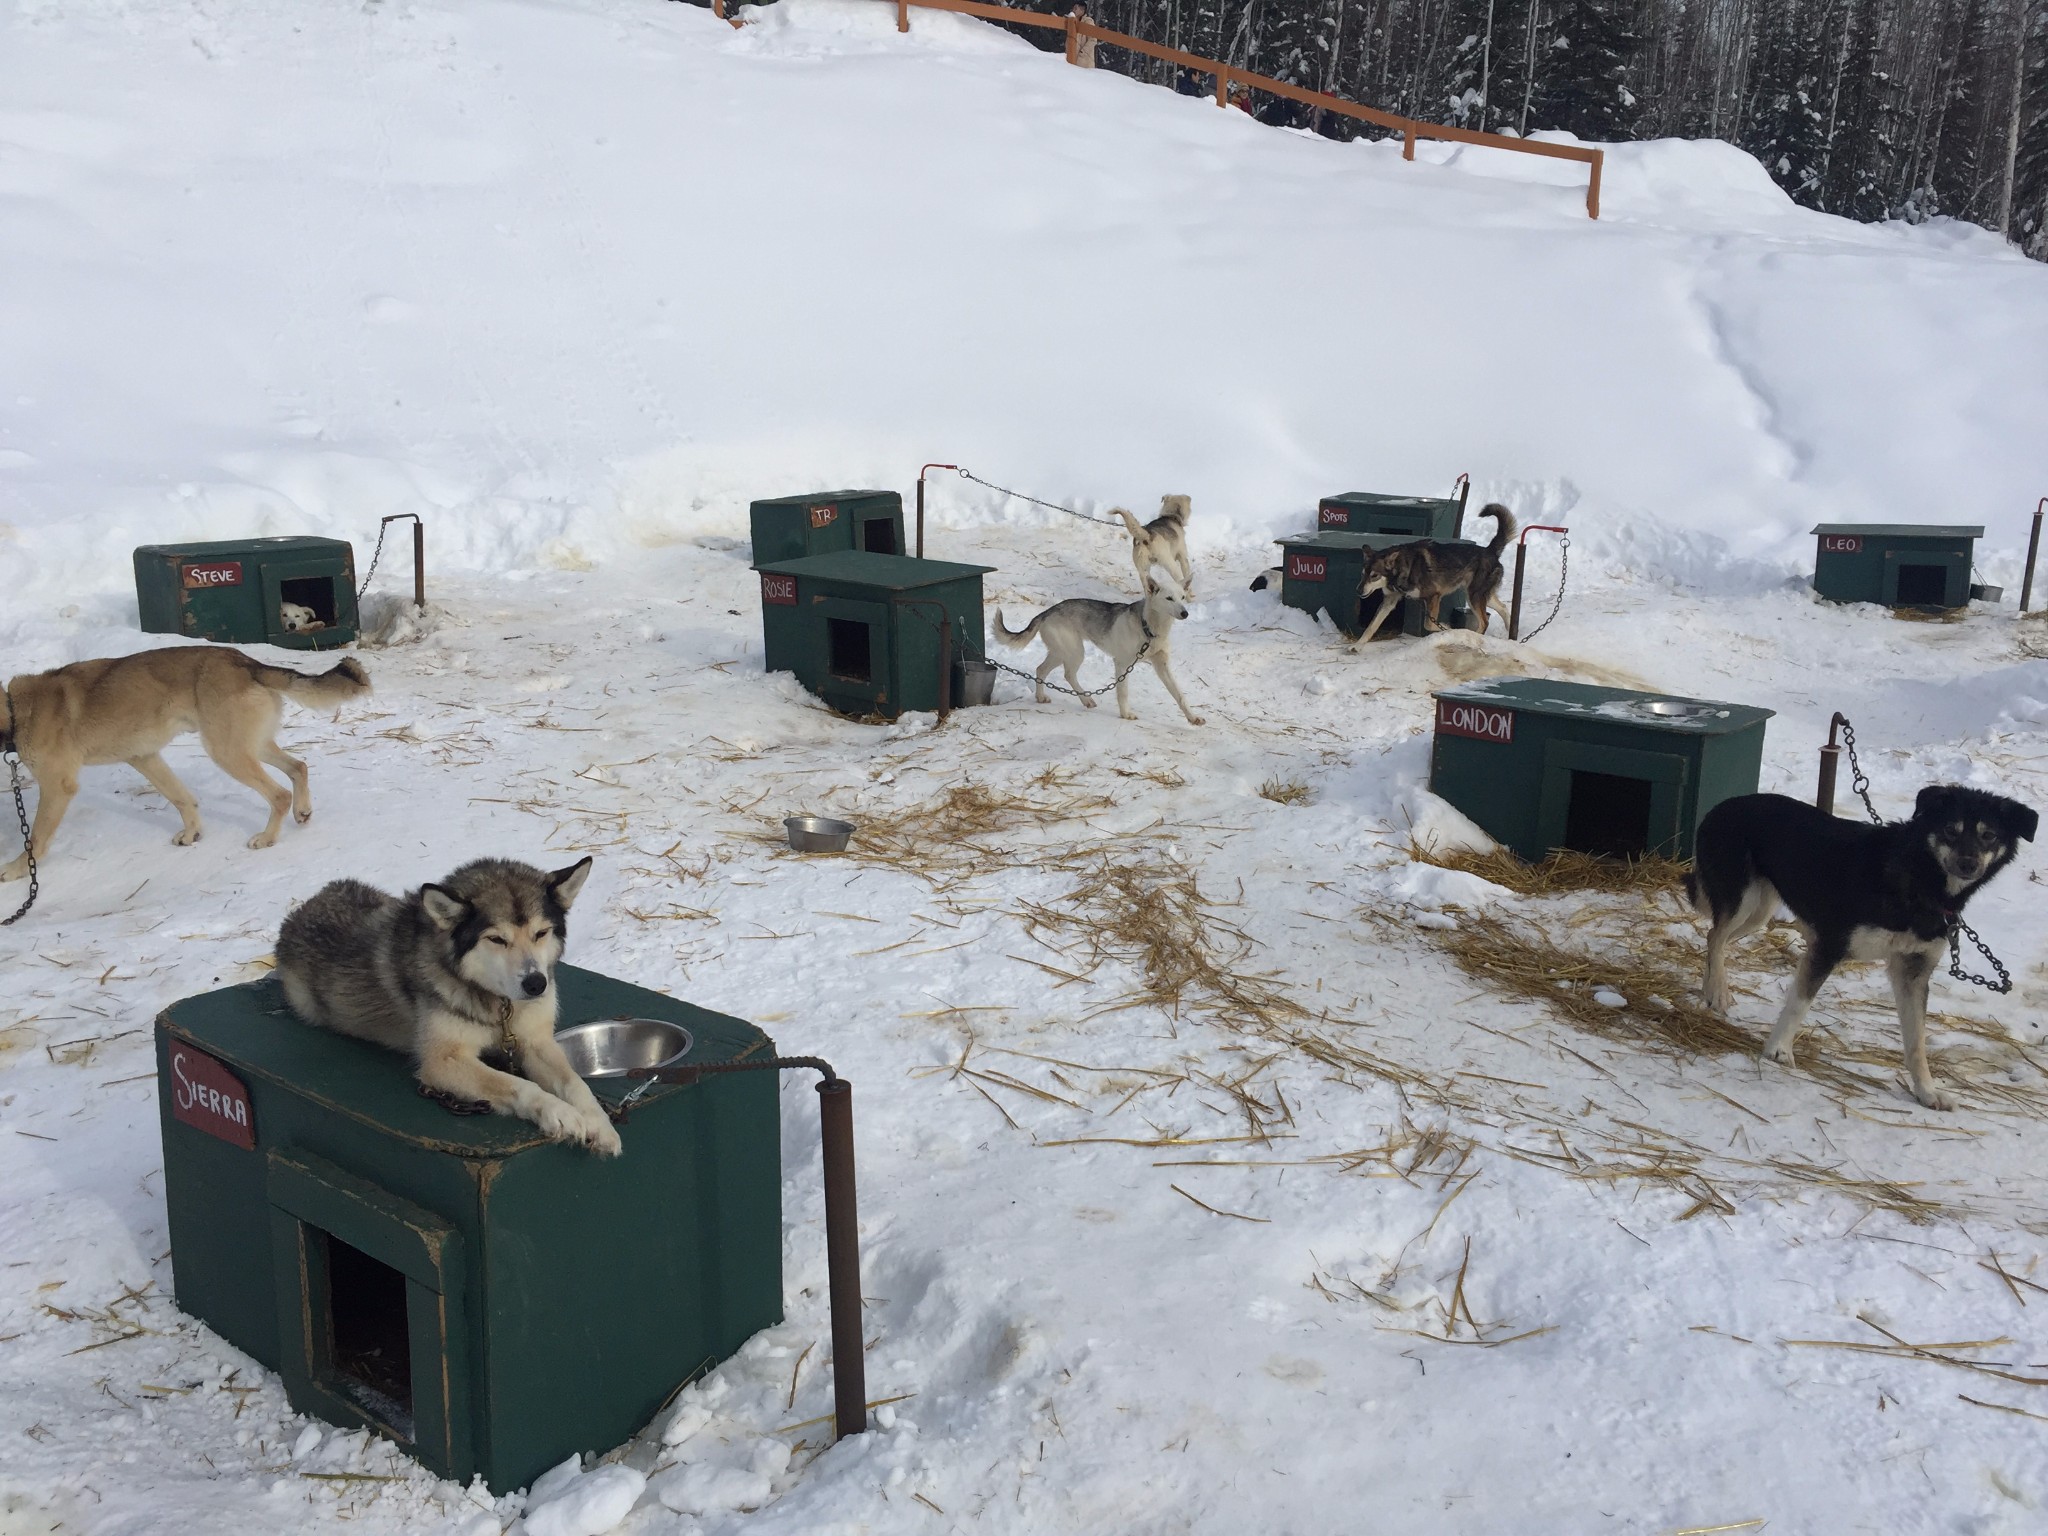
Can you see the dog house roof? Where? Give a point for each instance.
(812, 498)
(246, 548)
(1337, 538)
(1654, 711)
(1903, 530)
(892, 573)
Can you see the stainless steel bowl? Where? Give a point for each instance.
(818, 834)
(613, 1047)
(1676, 709)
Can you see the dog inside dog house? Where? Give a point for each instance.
(294, 592)
(1320, 572)
(824, 522)
(490, 1300)
(1542, 764)
(875, 634)
(1900, 565)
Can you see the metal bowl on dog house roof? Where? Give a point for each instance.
(874, 634)
(1901, 565)
(1542, 764)
(1423, 517)
(790, 527)
(1320, 572)
(491, 1300)
(235, 590)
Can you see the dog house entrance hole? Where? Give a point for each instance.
(314, 592)
(370, 1344)
(852, 649)
(1608, 815)
(878, 536)
(1922, 586)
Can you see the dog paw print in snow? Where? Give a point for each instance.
(568, 1501)
(1318, 684)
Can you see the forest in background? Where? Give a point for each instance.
(1872, 109)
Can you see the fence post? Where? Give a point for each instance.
(1073, 36)
(902, 15)
(1408, 143)
(1593, 184)
(1223, 85)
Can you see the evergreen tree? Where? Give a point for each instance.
(2030, 177)
(1788, 129)
(1585, 85)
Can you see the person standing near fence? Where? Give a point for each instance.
(1084, 46)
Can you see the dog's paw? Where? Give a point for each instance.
(562, 1122)
(1197, 720)
(1090, 704)
(263, 840)
(1782, 1055)
(302, 817)
(185, 839)
(1932, 1097)
(18, 870)
(601, 1136)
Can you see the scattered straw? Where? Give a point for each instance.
(1563, 871)
(1286, 791)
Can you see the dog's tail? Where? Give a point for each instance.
(341, 682)
(1137, 528)
(1693, 893)
(1504, 526)
(1265, 579)
(1020, 637)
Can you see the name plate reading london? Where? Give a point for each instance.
(1454, 717)
(208, 1097)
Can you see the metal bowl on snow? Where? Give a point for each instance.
(613, 1047)
(818, 834)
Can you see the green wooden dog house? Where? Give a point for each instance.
(1542, 764)
(1901, 565)
(1320, 572)
(1422, 517)
(234, 590)
(824, 522)
(490, 1300)
(874, 634)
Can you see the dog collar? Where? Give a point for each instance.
(1146, 625)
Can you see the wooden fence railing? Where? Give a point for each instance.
(1228, 76)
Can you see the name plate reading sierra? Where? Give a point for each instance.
(208, 1097)
(1454, 717)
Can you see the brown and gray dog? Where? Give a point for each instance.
(127, 709)
(1163, 542)
(1431, 571)
(446, 974)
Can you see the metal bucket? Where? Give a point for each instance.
(977, 682)
(613, 1047)
(817, 834)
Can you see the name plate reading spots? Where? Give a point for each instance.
(1841, 544)
(1334, 517)
(1308, 567)
(1479, 721)
(224, 573)
(825, 515)
(208, 1097)
(778, 589)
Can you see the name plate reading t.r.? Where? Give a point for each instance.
(208, 1097)
(825, 514)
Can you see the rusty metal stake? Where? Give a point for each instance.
(920, 502)
(1830, 761)
(419, 555)
(2033, 549)
(1521, 553)
(1464, 485)
(842, 1218)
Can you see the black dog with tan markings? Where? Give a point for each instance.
(1892, 893)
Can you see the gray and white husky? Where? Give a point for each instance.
(1125, 632)
(446, 973)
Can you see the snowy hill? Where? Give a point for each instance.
(577, 279)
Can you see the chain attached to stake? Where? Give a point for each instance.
(1958, 930)
(10, 748)
(419, 541)
(1086, 517)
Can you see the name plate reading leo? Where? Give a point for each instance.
(1841, 544)
(208, 1097)
(222, 573)
(1308, 567)
(825, 514)
(1454, 717)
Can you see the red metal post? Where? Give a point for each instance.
(1521, 547)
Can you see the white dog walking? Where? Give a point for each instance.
(1126, 632)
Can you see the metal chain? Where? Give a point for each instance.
(1958, 929)
(1079, 693)
(1956, 935)
(1086, 517)
(28, 844)
(1858, 779)
(1563, 570)
(375, 555)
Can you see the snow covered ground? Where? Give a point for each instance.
(1342, 1242)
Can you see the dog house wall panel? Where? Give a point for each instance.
(900, 600)
(1340, 560)
(232, 590)
(826, 522)
(1866, 562)
(554, 1300)
(1512, 752)
(1421, 517)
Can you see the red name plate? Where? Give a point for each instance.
(1840, 544)
(824, 516)
(778, 589)
(228, 573)
(208, 1097)
(1308, 567)
(1479, 721)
